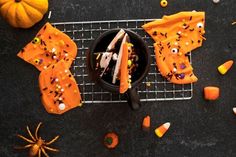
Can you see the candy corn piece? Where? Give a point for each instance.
(211, 93)
(234, 110)
(160, 131)
(225, 67)
(146, 123)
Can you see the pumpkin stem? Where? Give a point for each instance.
(17, 1)
(108, 141)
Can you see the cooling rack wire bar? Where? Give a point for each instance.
(153, 88)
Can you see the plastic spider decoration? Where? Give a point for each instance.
(36, 144)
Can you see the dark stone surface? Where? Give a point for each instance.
(199, 128)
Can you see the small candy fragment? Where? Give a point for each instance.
(216, 1)
(148, 84)
(146, 123)
(129, 63)
(225, 67)
(211, 93)
(111, 140)
(234, 110)
(164, 3)
(160, 131)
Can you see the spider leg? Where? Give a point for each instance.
(51, 149)
(39, 154)
(29, 132)
(37, 129)
(53, 140)
(26, 139)
(44, 152)
(23, 147)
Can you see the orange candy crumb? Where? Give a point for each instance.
(211, 93)
(146, 123)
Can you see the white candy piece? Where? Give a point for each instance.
(234, 110)
(216, 1)
(53, 50)
(174, 70)
(56, 79)
(62, 106)
(118, 62)
(115, 57)
(66, 71)
(118, 36)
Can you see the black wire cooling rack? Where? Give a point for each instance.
(153, 88)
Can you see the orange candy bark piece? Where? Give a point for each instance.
(175, 36)
(173, 64)
(48, 47)
(124, 73)
(60, 92)
(211, 93)
(187, 27)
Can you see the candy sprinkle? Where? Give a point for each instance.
(216, 1)
(62, 106)
(234, 110)
(163, 3)
(160, 131)
(148, 84)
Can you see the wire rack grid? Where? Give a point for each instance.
(153, 88)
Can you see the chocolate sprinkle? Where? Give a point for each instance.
(45, 88)
(166, 35)
(187, 27)
(60, 95)
(65, 51)
(56, 94)
(22, 50)
(67, 45)
(53, 80)
(192, 29)
(69, 85)
(190, 18)
(154, 33)
(44, 27)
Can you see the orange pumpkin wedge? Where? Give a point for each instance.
(188, 27)
(173, 64)
(49, 47)
(124, 73)
(60, 92)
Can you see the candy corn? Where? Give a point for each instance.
(146, 123)
(234, 110)
(225, 67)
(211, 93)
(160, 131)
